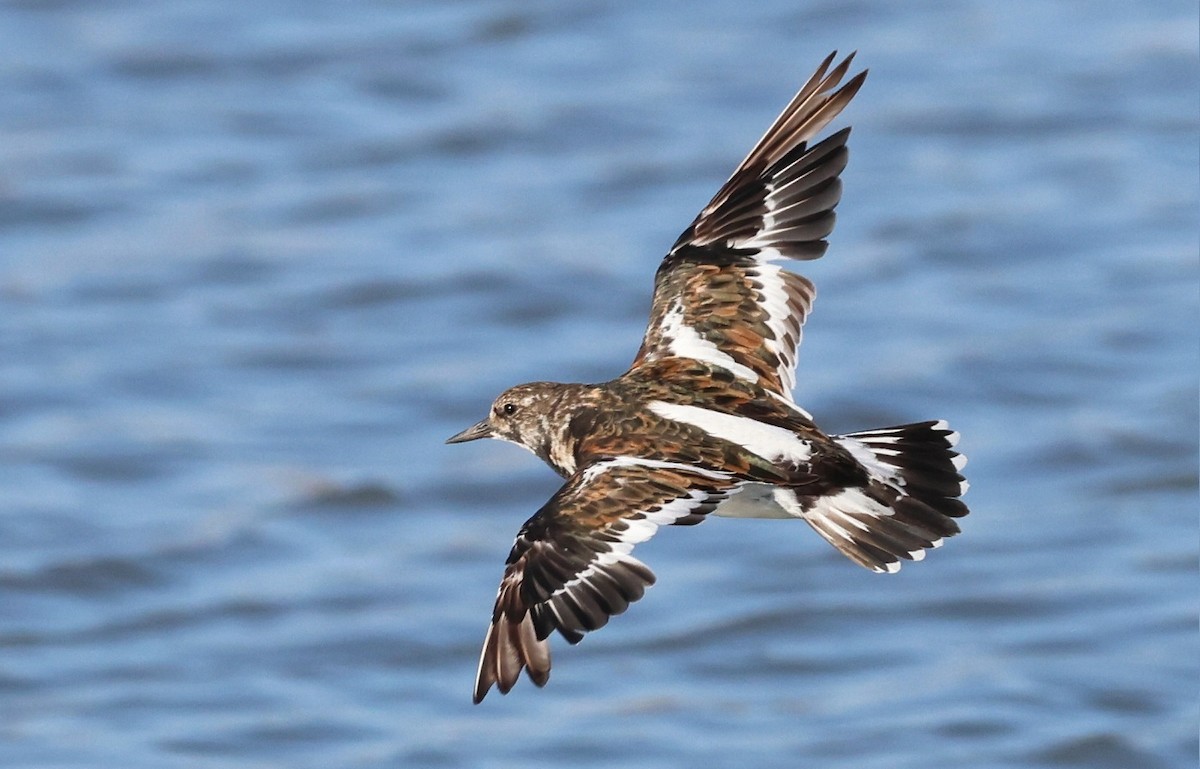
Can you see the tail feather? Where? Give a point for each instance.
(908, 504)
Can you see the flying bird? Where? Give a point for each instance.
(704, 422)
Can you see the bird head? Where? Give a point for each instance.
(520, 415)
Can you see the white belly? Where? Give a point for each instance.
(755, 500)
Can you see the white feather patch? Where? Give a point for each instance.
(775, 302)
(590, 473)
(866, 457)
(684, 342)
(767, 441)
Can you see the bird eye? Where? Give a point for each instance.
(509, 409)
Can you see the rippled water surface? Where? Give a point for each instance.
(258, 259)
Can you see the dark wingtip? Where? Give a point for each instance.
(483, 684)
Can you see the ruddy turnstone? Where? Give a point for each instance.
(703, 422)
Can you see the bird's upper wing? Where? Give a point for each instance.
(571, 569)
(718, 296)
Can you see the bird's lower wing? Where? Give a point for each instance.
(570, 568)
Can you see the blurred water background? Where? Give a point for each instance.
(257, 259)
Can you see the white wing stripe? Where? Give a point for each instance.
(684, 342)
(767, 441)
(591, 472)
(775, 302)
(635, 531)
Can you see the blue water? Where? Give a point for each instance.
(258, 259)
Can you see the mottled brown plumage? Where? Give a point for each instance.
(703, 422)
